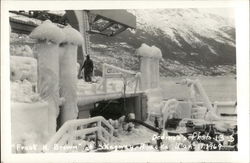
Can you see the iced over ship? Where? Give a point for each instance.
(54, 111)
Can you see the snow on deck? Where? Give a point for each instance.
(139, 135)
(91, 92)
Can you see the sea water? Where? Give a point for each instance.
(218, 88)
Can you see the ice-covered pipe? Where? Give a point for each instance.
(68, 73)
(196, 87)
(48, 36)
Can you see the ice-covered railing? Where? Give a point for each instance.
(73, 132)
(128, 76)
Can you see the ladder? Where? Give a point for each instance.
(86, 34)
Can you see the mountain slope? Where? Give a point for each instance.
(192, 42)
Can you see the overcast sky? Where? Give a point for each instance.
(225, 12)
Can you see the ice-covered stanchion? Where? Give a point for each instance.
(149, 66)
(49, 36)
(68, 73)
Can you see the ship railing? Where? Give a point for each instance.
(73, 132)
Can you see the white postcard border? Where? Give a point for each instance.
(242, 43)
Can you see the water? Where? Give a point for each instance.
(221, 88)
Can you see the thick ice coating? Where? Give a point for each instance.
(154, 100)
(149, 51)
(72, 35)
(20, 50)
(29, 125)
(22, 68)
(48, 31)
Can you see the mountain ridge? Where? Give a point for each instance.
(199, 43)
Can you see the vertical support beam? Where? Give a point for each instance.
(79, 20)
(130, 105)
(144, 107)
(104, 72)
(85, 33)
(82, 22)
(73, 18)
(138, 109)
(136, 84)
(134, 105)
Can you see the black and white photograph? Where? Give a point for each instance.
(106, 81)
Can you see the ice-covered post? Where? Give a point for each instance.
(149, 66)
(48, 36)
(68, 73)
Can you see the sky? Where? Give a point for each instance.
(225, 12)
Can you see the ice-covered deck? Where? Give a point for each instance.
(92, 92)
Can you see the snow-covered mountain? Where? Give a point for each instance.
(185, 23)
(192, 42)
